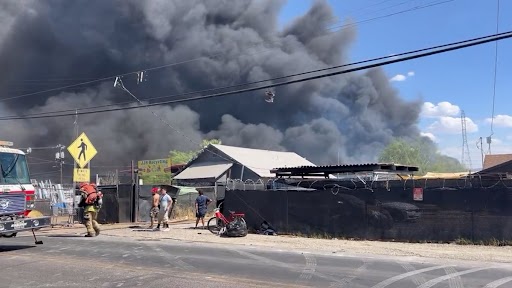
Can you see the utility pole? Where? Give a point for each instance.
(338, 176)
(74, 166)
(59, 157)
(489, 141)
(480, 146)
(75, 124)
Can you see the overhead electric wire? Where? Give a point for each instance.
(354, 14)
(14, 117)
(391, 14)
(191, 60)
(120, 83)
(112, 77)
(495, 70)
(447, 48)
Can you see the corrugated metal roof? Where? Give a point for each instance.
(185, 190)
(348, 168)
(11, 150)
(363, 165)
(437, 175)
(203, 171)
(262, 161)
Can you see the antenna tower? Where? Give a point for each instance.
(465, 159)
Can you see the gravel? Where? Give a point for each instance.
(186, 233)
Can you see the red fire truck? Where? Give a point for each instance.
(17, 194)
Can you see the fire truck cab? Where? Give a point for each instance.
(17, 194)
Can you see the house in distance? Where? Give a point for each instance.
(217, 163)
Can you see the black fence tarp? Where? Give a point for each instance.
(44, 206)
(109, 212)
(126, 202)
(118, 204)
(449, 210)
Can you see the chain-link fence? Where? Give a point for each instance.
(237, 184)
(184, 201)
(61, 200)
(115, 177)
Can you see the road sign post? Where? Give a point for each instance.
(82, 151)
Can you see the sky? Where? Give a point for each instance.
(448, 83)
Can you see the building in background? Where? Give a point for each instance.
(217, 163)
(498, 164)
(218, 166)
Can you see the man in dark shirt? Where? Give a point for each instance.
(201, 206)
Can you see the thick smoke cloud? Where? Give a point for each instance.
(42, 47)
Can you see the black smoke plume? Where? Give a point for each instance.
(48, 44)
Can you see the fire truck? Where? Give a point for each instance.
(17, 194)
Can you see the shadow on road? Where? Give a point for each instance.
(64, 236)
(8, 248)
(197, 228)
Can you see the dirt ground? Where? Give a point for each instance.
(184, 231)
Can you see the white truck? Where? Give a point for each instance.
(17, 194)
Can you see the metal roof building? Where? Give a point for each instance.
(217, 163)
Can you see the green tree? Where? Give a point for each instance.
(182, 157)
(156, 179)
(422, 153)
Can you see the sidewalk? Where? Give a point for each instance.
(78, 228)
(183, 231)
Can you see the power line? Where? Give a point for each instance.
(392, 14)
(114, 76)
(50, 113)
(484, 40)
(447, 48)
(119, 83)
(418, 7)
(489, 139)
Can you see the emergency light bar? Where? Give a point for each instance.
(6, 143)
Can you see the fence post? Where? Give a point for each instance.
(472, 226)
(287, 223)
(366, 218)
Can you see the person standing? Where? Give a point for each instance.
(202, 202)
(153, 213)
(165, 206)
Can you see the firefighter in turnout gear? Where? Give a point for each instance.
(91, 201)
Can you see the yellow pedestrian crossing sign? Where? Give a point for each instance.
(82, 150)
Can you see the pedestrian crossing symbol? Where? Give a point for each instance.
(82, 150)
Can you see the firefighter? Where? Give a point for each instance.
(89, 201)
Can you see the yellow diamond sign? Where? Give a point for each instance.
(82, 150)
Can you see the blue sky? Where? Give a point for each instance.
(461, 79)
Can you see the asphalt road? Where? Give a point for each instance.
(64, 261)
